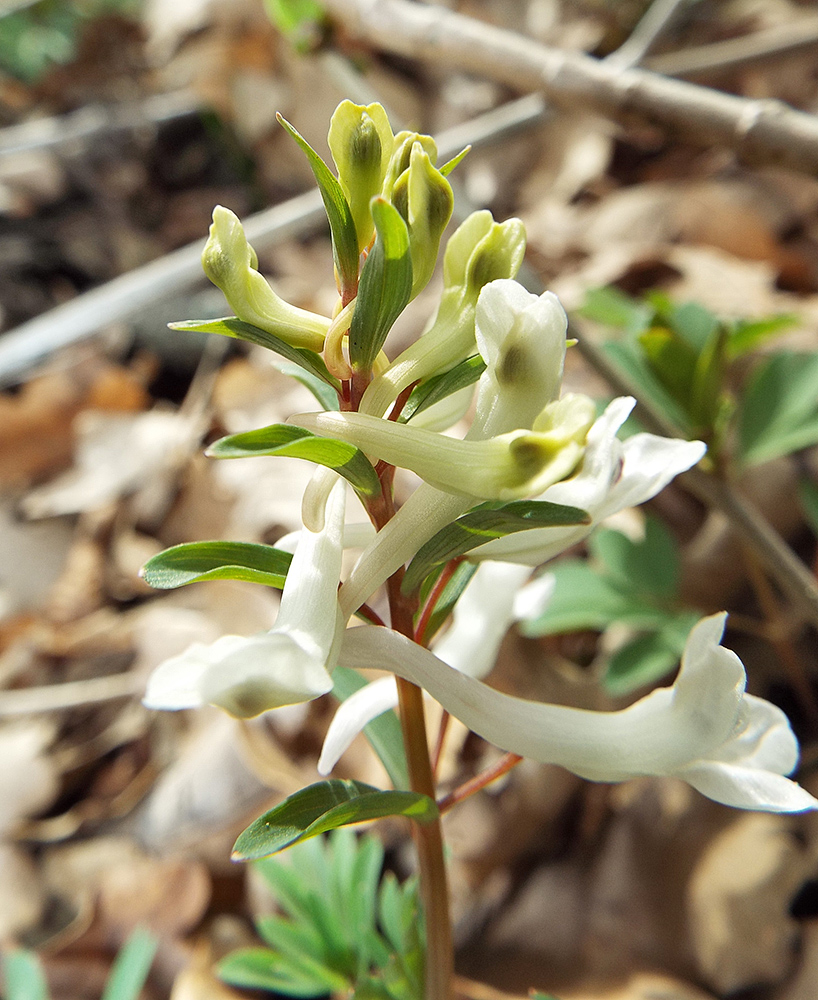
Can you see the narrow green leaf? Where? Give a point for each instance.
(480, 525)
(322, 807)
(634, 366)
(291, 939)
(438, 387)
(295, 442)
(261, 968)
(193, 562)
(450, 596)
(236, 328)
(385, 286)
(131, 966)
(384, 733)
(23, 976)
(341, 223)
(326, 396)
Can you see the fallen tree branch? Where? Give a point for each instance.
(766, 131)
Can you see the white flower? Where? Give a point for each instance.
(731, 746)
(289, 664)
(496, 596)
(613, 475)
(521, 337)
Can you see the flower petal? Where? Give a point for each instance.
(481, 618)
(747, 788)
(653, 736)
(266, 671)
(352, 715)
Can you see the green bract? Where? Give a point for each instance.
(230, 263)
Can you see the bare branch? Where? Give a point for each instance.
(785, 39)
(765, 131)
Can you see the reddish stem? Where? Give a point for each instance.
(432, 599)
(468, 788)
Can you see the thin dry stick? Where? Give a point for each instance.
(772, 43)
(654, 23)
(778, 559)
(792, 663)
(764, 130)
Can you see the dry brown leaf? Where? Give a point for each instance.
(738, 903)
(116, 454)
(28, 780)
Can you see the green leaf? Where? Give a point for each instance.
(450, 596)
(647, 658)
(339, 214)
(778, 413)
(322, 807)
(614, 308)
(694, 323)
(384, 733)
(295, 442)
(583, 599)
(745, 335)
(672, 360)
(326, 396)
(193, 562)
(131, 966)
(299, 20)
(385, 286)
(644, 383)
(438, 387)
(482, 524)
(808, 495)
(236, 328)
(650, 566)
(260, 968)
(23, 976)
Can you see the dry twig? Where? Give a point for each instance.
(763, 130)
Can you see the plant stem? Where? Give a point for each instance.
(429, 842)
(503, 766)
(428, 836)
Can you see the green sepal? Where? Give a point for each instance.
(433, 390)
(455, 161)
(482, 524)
(194, 562)
(232, 326)
(383, 733)
(339, 214)
(325, 806)
(295, 442)
(385, 286)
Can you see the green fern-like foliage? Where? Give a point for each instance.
(343, 928)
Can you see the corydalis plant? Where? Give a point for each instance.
(534, 473)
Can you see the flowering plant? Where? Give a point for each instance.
(535, 472)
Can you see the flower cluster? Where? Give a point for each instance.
(501, 349)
